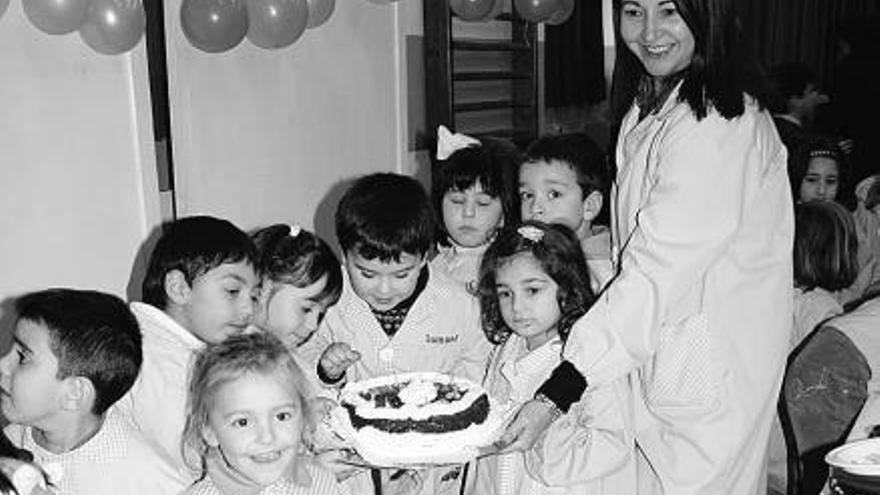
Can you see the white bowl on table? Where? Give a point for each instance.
(861, 457)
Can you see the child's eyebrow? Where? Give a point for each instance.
(21, 344)
(237, 278)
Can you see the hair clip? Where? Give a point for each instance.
(531, 233)
(448, 143)
(825, 153)
(295, 230)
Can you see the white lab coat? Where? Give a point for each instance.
(702, 305)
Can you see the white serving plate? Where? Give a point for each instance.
(861, 457)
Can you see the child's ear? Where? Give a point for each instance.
(592, 206)
(209, 436)
(177, 289)
(78, 394)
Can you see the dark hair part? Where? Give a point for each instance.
(825, 246)
(579, 152)
(789, 81)
(219, 364)
(92, 334)
(299, 260)
(493, 165)
(560, 256)
(194, 245)
(721, 72)
(799, 162)
(385, 215)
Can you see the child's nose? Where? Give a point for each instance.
(266, 434)
(470, 209)
(312, 320)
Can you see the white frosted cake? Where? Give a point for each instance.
(418, 418)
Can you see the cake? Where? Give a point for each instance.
(418, 418)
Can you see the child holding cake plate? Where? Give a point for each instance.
(534, 284)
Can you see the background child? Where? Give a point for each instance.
(199, 287)
(534, 285)
(395, 314)
(817, 171)
(564, 180)
(248, 413)
(301, 278)
(74, 354)
(474, 192)
(824, 263)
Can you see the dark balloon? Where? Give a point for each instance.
(319, 12)
(566, 8)
(276, 23)
(56, 16)
(497, 9)
(214, 25)
(536, 10)
(472, 10)
(114, 26)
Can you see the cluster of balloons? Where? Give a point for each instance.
(108, 26)
(218, 25)
(553, 12)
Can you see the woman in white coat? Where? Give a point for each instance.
(700, 309)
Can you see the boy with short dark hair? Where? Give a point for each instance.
(199, 288)
(395, 314)
(74, 354)
(565, 179)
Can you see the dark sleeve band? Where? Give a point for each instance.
(565, 386)
(326, 379)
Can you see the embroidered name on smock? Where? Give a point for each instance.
(441, 339)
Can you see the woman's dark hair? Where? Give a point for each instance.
(493, 165)
(721, 72)
(557, 250)
(297, 257)
(825, 246)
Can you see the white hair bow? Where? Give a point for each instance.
(448, 143)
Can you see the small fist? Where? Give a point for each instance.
(337, 358)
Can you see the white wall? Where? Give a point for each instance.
(261, 136)
(76, 158)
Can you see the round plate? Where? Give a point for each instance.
(382, 449)
(861, 457)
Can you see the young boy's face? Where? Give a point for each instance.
(220, 303)
(549, 193)
(383, 284)
(30, 390)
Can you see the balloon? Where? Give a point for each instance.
(56, 16)
(319, 12)
(566, 8)
(472, 10)
(536, 10)
(214, 25)
(4, 4)
(497, 9)
(114, 26)
(276, 23)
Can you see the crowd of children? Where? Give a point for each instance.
(208, 385)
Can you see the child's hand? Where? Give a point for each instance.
(337, 358)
